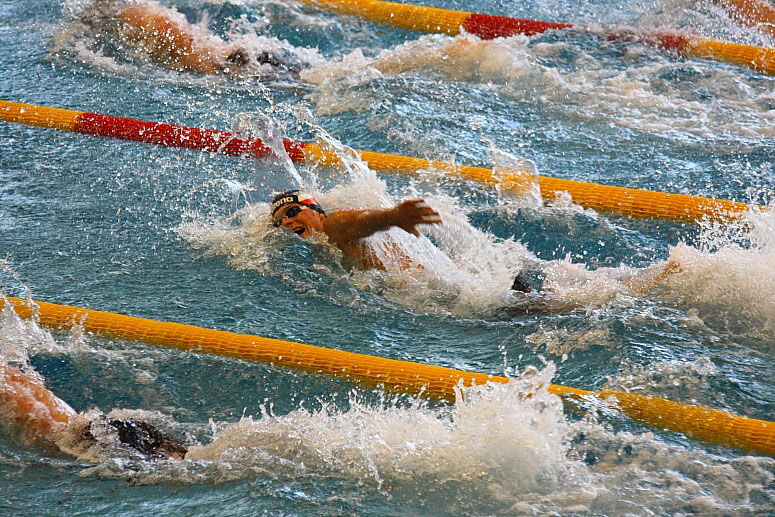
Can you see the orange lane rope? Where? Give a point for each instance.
(436, 382)
(430, 19)
(605, 198)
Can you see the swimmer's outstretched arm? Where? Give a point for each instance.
(168, 37)
(346, 226)
(30, 407)
(753, 13)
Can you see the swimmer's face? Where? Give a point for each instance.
(300, 219)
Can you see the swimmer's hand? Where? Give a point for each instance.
(410, 213)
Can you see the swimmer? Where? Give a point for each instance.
(300, 213)
(168, 38)
(164, 34)
(753, 13)
(42, 418)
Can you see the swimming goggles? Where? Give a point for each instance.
(291, 212)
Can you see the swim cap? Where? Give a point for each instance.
(136, 435)
(295, 196)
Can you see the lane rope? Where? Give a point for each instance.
(629, 202)
(486, 26)
(696, 422)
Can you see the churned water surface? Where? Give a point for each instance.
(179, 235)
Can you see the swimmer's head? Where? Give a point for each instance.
(238, 58)
(295, 196)
(298, 212)
(279, 61)
(136, 435)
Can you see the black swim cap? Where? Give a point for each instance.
(295, 196)
(146, 439)
(141, 437)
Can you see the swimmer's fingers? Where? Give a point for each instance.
(413, 230)
(412, 212)
(416, 208)
(426, 214)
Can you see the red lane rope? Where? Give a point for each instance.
(487, 26)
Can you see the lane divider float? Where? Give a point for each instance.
(486, 26)
(696, 422)
(630, 202)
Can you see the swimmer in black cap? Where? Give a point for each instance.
(301, 213)
(40, 417)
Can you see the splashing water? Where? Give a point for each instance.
(458, 268)
(276, 165)
(494, 435)
(654, 93)
(728, 280)
(495, 450)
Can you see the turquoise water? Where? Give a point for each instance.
(183, 236)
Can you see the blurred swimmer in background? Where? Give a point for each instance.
(165, 35)
(349, 228)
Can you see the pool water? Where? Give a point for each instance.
(184, 236)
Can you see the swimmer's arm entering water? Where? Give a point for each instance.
(347, 226)
(169, 38)
(30, 407)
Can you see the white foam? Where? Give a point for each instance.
(728, 279)
(647, 95)
(495, 450)
(496, 435)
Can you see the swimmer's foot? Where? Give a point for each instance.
(642, 284)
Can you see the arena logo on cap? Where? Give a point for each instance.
(301, 198)
(284, 201)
